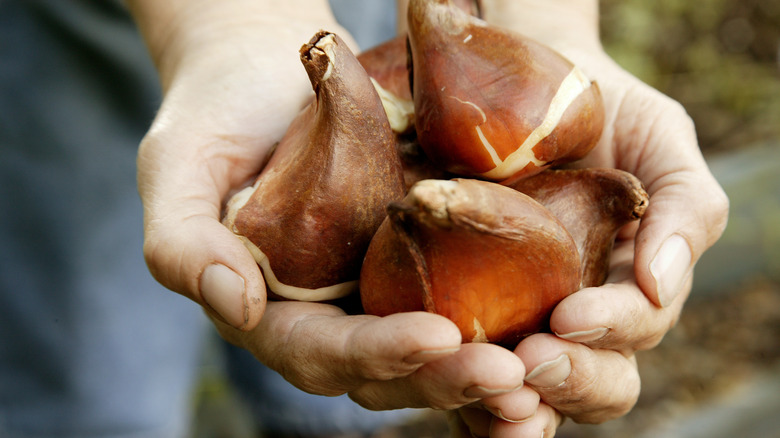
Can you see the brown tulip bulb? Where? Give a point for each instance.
(493, 104)
(592, 204)
(487, 257)
(312, 211)
(387, 64)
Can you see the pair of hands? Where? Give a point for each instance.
(233, 81)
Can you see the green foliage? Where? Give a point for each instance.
(719, 58)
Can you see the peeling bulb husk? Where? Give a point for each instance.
(493, 104)
(489, 258)
(312, 211)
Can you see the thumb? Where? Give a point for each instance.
(687, 213)
(186, 247)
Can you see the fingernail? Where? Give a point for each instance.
(477, 391)
(550, 374)
(585, 335)
(497, 413)
(223, 290)
(670, 267)
(426, 356)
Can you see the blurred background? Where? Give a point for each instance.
(717, 373)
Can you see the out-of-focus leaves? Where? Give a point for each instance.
(719, 58)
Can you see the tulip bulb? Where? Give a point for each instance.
(488, 257)
(592, 204)
(312, 211)
(493, 104)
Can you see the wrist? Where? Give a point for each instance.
(176, 31)
(569, 26)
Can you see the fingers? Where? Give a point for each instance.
(220, 117)
(544, 424)
(515, 407)
(618, 315)
(474, 372)
(590, 386)
(321, 350)
(655, 139)
(403, 360)
(687, 214)
(186, 248)
(476, 422)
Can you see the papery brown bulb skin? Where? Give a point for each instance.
(493, 262)
(592, 204)
(492, 104)
(393, 277)
(388, 64)
(311, 214)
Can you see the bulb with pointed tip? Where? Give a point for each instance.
(487, 257)
(592, 204)
(493, 104)
(312, 211)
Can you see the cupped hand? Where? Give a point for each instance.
(405, 360)
(587, 370)
(599, 329)
(232, 82)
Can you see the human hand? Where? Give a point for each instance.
(232, 82)
(403, 360)
(587, 370)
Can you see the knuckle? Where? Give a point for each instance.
(445, 400)
(626, 398)
(366, 401)
(382, 371)
(599, 396)
(674, 110)
(649, 342)
(314, 382)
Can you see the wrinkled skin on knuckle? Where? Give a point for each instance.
(410, 394)
(315, 373)
(598, 398)
(312, 381)
(367, 400)
(443, 402)
(620, 402)
(386, 371)
(652, 334)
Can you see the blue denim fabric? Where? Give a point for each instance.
(280, 410)
(90, 344)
